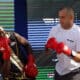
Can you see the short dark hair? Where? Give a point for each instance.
(69, 9)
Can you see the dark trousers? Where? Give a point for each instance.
(74, 75)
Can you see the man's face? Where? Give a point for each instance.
(65, 19)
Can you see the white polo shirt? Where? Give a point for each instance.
(72, 39)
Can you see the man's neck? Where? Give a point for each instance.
(68, 28)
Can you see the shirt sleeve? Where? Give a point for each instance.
(51, 33)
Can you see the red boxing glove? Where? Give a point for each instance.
(51, 43)
(31, 69)
(4, 48)
(6, 54)
(63, 48)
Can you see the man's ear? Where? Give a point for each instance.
(71, 17)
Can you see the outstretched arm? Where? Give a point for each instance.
(30, 69)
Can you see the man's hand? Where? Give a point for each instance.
(51, 44)
(58, 47)
(62, 48)
(31, 69)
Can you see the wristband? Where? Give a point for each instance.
(73, 54)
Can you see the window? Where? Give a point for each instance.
(7, 14)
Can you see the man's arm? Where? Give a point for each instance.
(30, 69)
(6, 68)
(77, 57)
(24, 42)
(62, 48)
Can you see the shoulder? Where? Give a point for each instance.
(55, 28)
(17, 35)
(76, 31)
(77, 28)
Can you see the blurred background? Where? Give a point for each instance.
(33, 19)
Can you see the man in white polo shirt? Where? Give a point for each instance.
(65, 40)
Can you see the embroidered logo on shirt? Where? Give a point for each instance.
(70, 40)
